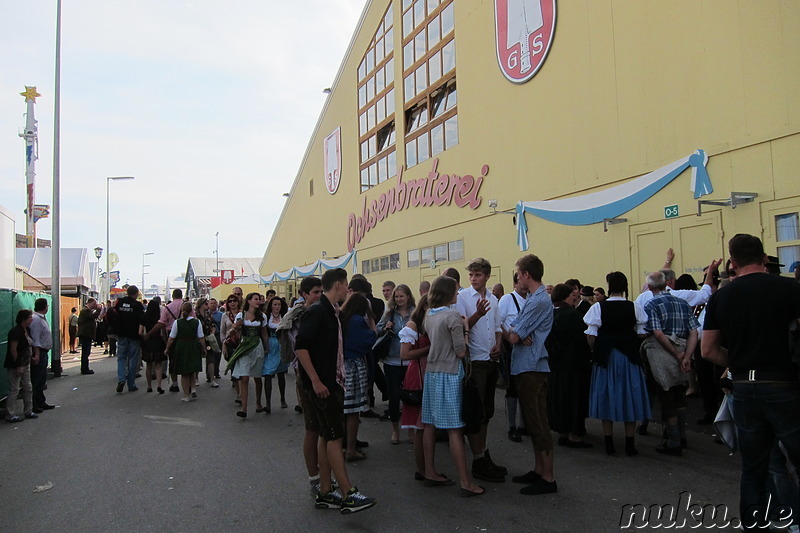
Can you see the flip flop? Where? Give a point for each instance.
(439, 482)
(466, 493)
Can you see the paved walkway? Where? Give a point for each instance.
(144, 462)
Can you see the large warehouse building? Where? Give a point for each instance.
(594, 133)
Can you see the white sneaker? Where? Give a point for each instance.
(214, 385)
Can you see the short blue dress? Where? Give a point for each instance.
(618, 390)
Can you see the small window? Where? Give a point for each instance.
(365, 267)
(413, 258)
(385, 262)
(376, 264)
(455, 250)
(787, 231)
(440, 251)
(427, 255)
(394, 262)
(448, 21)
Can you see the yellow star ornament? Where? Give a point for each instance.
(30, 93)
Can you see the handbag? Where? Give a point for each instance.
(471, 404)
(412, 396)
(723, 423)
(380, 350)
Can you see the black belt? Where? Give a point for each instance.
(763, 375)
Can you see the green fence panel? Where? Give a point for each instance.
(12, 301)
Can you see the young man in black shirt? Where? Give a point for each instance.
(747, 329)
(127, 320)
(319, 349)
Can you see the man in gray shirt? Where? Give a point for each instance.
(42, 339)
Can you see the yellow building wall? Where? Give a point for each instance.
(628, 87)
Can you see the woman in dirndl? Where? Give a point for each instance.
(618, 391)
(248, 358)
(273, 365)
(414, 347)
(190, 345)
(442, 390)
(358, 334)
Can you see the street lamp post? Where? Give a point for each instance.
(143, 265)
(98, 253)
(107, 284)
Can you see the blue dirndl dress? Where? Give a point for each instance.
(618, 390)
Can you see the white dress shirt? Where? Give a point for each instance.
(482, 335)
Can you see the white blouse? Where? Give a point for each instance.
(593, 317)
(262, 323)
(173, 333)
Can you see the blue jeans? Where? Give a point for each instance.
(127, 361)
(764, 412)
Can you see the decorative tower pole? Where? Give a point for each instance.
(31, 137)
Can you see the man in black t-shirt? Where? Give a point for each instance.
(747, 329)
(126, 320)
(320, 352)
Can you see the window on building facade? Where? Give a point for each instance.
(379, 264)
(376, 107)
(311, 187)
(429, 79)
(787, 233)
(450, 251)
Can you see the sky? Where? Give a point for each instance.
(210, 106)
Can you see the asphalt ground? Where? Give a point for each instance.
(143, 462)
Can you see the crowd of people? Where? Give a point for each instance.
(564, 353)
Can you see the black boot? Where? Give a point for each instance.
(610, 450)
(630, 449)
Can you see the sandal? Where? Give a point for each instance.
(259, 409)
(466, 493)
(355, 456)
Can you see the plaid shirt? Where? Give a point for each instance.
(671, 315)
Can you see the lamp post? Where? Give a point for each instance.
(107, 284)
(217, 252)
(143, 265)
(98, 253)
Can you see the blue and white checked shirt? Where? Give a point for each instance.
(671, 315)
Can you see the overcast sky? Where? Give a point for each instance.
(209, 104)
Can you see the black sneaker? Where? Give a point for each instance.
(540, 487)
(666, 450)
(174, 388)
(120, 386)
(502, 469)
(483, 469)
(331, 500)
(355, 502)
(527, 479)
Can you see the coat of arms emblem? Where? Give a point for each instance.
(524, 31)
(333, 160)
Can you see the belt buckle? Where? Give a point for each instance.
(751, 375)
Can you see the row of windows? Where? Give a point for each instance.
(383, 78)
(380, 170)
(381, 47)
(430, 122)
(428, 36)
(379, 264)
(430, 143)
(415, 12)
(450, 251)
(429, 72)
(376, 113)
(376, 101)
